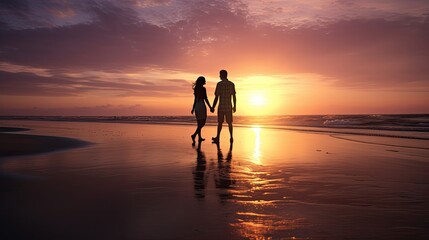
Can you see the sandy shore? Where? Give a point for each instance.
(148, 182)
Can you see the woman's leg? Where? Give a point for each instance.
(201, 123)
(197, 131)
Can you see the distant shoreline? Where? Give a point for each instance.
(387, 122)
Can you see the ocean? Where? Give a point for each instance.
(414, 126)
(140, 177)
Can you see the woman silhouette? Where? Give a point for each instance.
(199, 107)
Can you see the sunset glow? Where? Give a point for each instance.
(285, 57)
(258, 100)
(257, 149)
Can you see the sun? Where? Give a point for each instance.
(257, 100)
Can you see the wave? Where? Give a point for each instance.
(361, 132)
(403, 145)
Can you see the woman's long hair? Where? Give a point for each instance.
(198, 85)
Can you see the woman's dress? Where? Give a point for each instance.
(200, 105)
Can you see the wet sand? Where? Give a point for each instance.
(148, 182)
(25, 144)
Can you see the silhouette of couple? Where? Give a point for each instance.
(225, 91)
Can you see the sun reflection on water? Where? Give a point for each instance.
(260, 194)
(257, 149)
(257, 188)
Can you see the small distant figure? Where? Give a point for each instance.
(225, 90)
(199, 107)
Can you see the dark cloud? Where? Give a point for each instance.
(11, 9)
(18, 7)
(99, 110)
(114, 40)
(29, 84)
(112, 15)
(88, 46)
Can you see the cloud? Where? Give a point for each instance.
(296, 13)
(30, 84)
(99, 110)
(356, 53)
(89, 46)
(378, 44)
(24, 14)
(21, 14)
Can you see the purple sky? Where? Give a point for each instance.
(140, 57)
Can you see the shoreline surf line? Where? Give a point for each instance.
(374, 143)
(321, 130)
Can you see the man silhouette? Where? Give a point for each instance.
(225, 89)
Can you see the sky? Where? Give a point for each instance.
(140, 57)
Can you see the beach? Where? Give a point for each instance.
(147, 181)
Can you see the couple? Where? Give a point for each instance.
(225, 89)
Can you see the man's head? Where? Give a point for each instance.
(223, 74)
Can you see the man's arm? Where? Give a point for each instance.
(234, 101)
(216, 98)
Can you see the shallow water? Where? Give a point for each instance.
(147, 181)
(397, 125)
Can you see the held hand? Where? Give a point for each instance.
(212, 109)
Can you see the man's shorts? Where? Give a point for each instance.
(221, 115)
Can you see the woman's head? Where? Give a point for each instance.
(200, 82)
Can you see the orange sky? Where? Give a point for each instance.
(141, 57)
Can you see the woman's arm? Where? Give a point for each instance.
(208, 103)
(193, 106)
(205, 98)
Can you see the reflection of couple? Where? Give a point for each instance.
(222, 178)
(199, 174)
(225, 90)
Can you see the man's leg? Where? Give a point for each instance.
(231, 139)
(228, 117)
(220, 117)
(219, 129)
